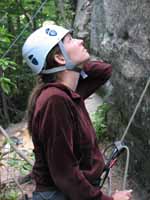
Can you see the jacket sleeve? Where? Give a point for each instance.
(98, 73)
(62, 163)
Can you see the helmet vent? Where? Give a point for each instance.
(33, 60)
(50, 32)
(30, 57)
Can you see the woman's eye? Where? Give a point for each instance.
(70, 38)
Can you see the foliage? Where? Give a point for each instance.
(9, 194)
(16, 80)
(14, 159)
(21, 165)
(16, 162)
(14, 165)
(6, 83)
(5, 39)
(100, 121)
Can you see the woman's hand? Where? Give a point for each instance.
(122, 195)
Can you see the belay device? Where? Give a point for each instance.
(118, 148)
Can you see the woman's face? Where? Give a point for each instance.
(75, 49)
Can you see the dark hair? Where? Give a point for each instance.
(42, 80)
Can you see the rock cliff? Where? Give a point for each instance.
(118, 31)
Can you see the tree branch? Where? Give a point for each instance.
(27, 15)
(21, 154)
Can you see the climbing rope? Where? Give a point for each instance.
(119, 147)
(26, 26)
(135, 110)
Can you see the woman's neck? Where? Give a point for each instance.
(69, 78)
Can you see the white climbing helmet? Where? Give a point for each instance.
(39, 44)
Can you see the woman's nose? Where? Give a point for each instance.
(81, 41)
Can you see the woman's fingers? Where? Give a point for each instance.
(122, 195)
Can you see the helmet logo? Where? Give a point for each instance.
(50, 32)
(33, 60)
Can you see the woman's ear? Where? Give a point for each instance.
(59, 59)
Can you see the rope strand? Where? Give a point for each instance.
(135, 110)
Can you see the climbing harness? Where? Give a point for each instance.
(119, 147)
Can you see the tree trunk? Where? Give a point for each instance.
(4, 107)
(60, 9)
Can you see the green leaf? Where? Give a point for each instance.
(5, 64)
(99, 120)
(5, 84)
(5, 87)
(5, 80)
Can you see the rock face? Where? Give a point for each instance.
(118, 31)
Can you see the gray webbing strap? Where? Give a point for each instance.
(53, 70)
(69, 64)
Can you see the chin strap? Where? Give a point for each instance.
(68, 66)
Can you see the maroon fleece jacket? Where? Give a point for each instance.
(67, 155)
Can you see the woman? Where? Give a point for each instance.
(68, 162)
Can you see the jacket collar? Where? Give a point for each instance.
(71, 93)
